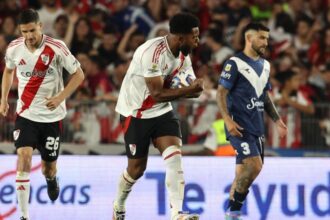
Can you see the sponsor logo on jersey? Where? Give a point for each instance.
(225, 75)
(255, 103)
(132, 148)
(37, 73)
(16, 134)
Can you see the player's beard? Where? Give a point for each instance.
(185, 49)
(259, 50)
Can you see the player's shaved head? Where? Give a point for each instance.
(28, 16)
(253, 28)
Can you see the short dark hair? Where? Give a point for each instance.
(28, 16)
(183, 23)
(255, 26)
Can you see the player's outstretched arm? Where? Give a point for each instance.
(161, 94)
(76, 79)
(232, 127)
(7, 81)
(273, 114)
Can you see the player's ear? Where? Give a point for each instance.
(181, 39)
(40, 25)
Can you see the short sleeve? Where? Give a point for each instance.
(69, 62)
(150, 64)
(229, 74)
(268, 86)
(10, 64)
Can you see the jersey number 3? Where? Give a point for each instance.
(246, 148)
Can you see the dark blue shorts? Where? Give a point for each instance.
(248, 146)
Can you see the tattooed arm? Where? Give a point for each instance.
(273, 114)
(271, 109)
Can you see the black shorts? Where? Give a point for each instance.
(43, 136)
(139, 132)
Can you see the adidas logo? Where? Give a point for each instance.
(21, 187)
(22, 62)
(52, 154)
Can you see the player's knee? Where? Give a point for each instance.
(136, 171)
(24, 159)
(49, 171)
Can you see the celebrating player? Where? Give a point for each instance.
(242, 97)
(38, 61)
(146, 111)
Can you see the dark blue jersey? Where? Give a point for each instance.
(247, 81)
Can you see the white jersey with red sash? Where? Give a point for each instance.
(153, 58)
(39, 76)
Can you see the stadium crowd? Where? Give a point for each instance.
(103, 34)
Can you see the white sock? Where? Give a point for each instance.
(124, 188)
(23, 192)
(174, 178)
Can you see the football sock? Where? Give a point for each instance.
(124, 188)
(237, 203)
(174, 178)
(23, 192)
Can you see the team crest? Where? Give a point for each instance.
(132, 148)
(45, 58)
(228, 67)
(16, 134)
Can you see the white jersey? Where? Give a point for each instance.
(39, 76)
(153, 58)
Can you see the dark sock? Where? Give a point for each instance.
(237, 203)
(50, 179)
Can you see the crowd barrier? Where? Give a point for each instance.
(93, 123)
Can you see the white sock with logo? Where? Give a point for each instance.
(174, 178)
(124, 188)
(23, 192)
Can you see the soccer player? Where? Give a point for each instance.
(38, 61)
(242, 97)
(146, 111)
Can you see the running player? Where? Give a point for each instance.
(146, 111)
(242, 97)
(38, 61)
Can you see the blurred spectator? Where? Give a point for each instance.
(214, 41)
(61, 27)
(215, 143)
(291, 102)
(97, 18)
(126, 15)
(85, 126)
(96, 77)
(163, 28)
(261, 10)
(9, 28)
(107, 50)
(305, 32)
(203, 113)
(48, 14)
(319, 52)
(155, 9)
(83, 37)
(131, 40)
